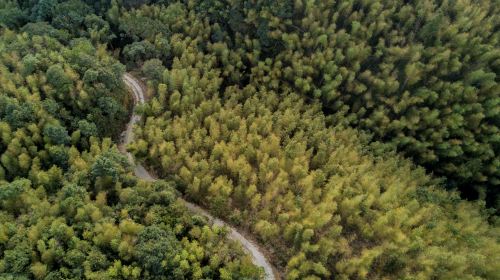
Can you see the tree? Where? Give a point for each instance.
(30, 63)
(18, 259)
(154, 246)
(70, 15)
(11, 15)
(109, 164)
(58, 79)
(260, 153)
(43, 10)
(138, 52)
(44, 28)
(56, 134)
(98, 29)
(87, 128)
(153, 69)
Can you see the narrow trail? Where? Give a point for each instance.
(250, 247)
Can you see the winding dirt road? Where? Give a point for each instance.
(250, 247)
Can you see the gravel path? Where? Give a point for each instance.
(127, 136)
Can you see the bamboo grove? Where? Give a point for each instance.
(70, 207)
(353, 139)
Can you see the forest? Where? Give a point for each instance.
(349, 139)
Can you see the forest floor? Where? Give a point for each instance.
(256, 253)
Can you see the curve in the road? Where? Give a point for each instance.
(250, 247)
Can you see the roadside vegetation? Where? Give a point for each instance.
(353, 139)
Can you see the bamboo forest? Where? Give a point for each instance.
(249, 139)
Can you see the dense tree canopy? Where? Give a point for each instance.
(90, 227)
(422, 76)
(336, 132)
(70, 207)
(54, 96)
(246, 144)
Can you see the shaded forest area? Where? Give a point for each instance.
(355, 139)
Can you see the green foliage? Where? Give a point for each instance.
(153, 69)
(132, 230)
(138, 52)
(12, 190)
(230, 122)
(56, 134)
(70, 207)
(11, 15)
(87, 129)
(17, 259)
(48, 103)
(98, 29)
(15, 114)
(150, 29)
(108, 165)
(45, 29)
(154, 245)
(43, 10)
(421, 76)
(70, 15)
(254, 113)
